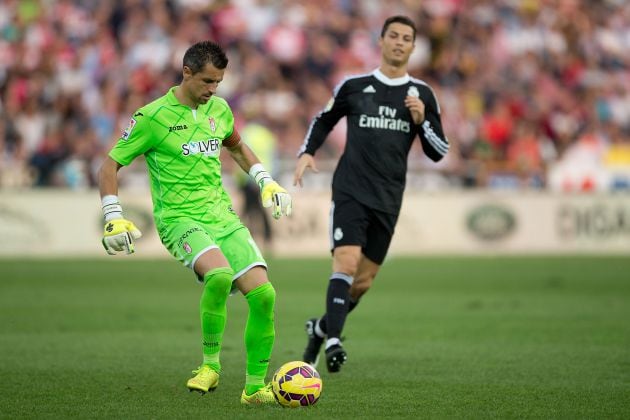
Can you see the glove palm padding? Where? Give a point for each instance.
(119, 235)
(274, 195)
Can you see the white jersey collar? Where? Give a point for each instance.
(390, 82)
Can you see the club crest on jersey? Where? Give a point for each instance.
(187, 247)
(125, 135)
(213, 124)
(413, 91)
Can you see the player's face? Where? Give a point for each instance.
(202, 85)
(397, 44)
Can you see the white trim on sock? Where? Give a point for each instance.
(318, 331)
(332, 342)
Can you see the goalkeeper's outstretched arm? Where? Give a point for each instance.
(271, 193)
(118, 234)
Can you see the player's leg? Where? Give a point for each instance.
(348, 223)
(363, 280)
(259, 334)
(213, 312)
(378, 237)
(252, 281)
(194, 246)
(314, 340)
(345, 264)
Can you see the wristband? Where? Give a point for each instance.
(111, 208)
(260, 175)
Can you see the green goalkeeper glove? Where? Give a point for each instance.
(271, 193)
(118, 233)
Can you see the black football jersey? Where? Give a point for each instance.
(373, 166)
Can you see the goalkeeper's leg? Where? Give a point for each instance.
(217, 285)
(244, 256)
(259, 335)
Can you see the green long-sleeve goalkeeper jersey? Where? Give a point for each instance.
(182, 148)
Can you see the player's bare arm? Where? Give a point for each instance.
(243, 155)
(416, 107)
(118, 234)
(304, 161)
(108, 177)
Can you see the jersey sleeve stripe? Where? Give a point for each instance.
(440, 145)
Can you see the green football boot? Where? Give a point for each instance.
(262, 396)
(205, 379)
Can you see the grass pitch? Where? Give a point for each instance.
(435, 338)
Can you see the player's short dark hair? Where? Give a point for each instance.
(398, 19)
(202, 53)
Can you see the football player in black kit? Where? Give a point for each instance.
(385, 110)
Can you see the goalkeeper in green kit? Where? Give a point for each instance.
(181, 135)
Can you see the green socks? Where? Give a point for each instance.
(217, 285)
(259, 331)
(259, 335)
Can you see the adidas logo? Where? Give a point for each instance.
(369, 89)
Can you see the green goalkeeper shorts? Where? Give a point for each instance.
(188, 240)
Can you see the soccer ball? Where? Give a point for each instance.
(296, 384)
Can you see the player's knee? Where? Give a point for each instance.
(347, 266)
(262, 298)
(218, 282)
(346, 260)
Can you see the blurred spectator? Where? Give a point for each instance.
(527, 155)
(496, 128)
(13, 168)
(617, 159)
(579, 169)
(48, 155)
(560, 65)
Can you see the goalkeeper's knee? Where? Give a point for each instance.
(218, 283)
(262, 298)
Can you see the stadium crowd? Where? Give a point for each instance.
(529, 89)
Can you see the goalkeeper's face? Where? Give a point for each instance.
(397, 44)
(200, 86)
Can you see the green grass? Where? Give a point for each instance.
(434, 338)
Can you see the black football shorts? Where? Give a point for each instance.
(352, 223)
